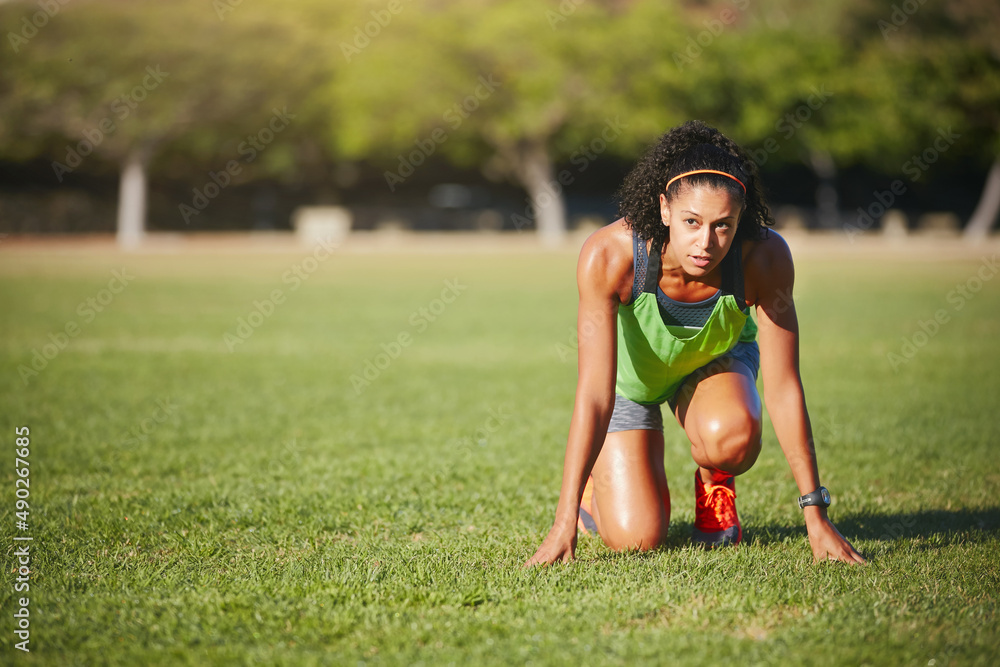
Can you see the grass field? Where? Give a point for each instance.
(195, 505)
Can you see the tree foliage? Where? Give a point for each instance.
(514, 87)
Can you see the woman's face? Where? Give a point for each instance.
(702, 222)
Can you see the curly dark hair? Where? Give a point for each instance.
(693, 145)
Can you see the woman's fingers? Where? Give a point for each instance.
(829, 544)
(554, 548)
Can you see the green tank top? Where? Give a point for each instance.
(653, 357)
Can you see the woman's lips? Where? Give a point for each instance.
(701, 262)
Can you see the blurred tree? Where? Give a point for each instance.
(513, 85)
(847, 82)
(782, 78)
(978, 93)
(126, 81)
(923, 80)
(766, 74)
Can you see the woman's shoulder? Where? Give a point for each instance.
(607, 256)
(766, 254)
(767, 263)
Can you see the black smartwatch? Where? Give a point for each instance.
(819, 497)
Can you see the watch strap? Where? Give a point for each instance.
(818, 497)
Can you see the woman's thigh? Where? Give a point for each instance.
(631, 501)
(720, 411)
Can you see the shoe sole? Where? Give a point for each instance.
(730, 537)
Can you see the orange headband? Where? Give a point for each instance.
(706, 171)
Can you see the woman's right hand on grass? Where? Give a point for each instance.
(558, 545)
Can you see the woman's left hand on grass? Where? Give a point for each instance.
(559, 546)
(828, 544)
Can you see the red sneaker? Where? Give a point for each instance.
(715, 520)
(585, 520)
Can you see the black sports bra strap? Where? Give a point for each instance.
(638, 267)
(732, 274)
(732, 269)
(652, 267)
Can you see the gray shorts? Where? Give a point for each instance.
(629, 415)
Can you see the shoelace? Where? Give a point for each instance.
(721, 501)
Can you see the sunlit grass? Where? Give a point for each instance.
(193, 505)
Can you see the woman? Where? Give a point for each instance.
(664, 318)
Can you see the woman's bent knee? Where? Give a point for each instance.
(635, 542)
(643, 535)
(730, 443)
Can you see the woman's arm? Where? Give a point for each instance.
(773, 276)
(595, 387)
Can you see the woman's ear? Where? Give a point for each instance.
(664, 210)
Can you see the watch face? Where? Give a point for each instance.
(825, 495)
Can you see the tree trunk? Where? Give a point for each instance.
(545, 193)
(986, 211)
(132, 200)
(827, 206)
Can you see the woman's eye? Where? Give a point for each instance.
(724, 226)
(691, 221)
